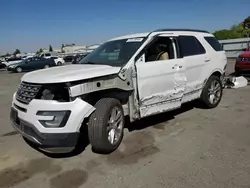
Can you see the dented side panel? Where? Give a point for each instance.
(161, 85)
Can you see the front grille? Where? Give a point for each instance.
(26, 92)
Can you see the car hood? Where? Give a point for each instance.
(7, 63)
(245, 54)
(14, 64)
(69, 73)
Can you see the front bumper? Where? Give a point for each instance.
(10, 69)
(244, 72)
(25, 120)
(43, 140)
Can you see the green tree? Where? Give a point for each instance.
(240, 30)
(50, 48)
(17, 51)
(62, 50)
(226, 34)
(246, 23)
(39, 51)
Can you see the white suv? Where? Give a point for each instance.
(136, 76)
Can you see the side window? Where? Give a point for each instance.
(190, 46)
(214, 43)
(42, 55)
(160, 49)
(47, 55)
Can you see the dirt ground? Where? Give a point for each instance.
(190, 147)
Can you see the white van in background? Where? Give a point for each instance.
(48, 55)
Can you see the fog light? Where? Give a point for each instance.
(60, 118)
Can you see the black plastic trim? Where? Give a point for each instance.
(20, 108)
(192, 30)
(64, 120)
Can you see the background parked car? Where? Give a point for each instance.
(12, 60)
(58, 60)
(2, 65)
(48, 55)
(77, 58)
(246, 49)
(242, 65)
(31, 64)
(69, 58)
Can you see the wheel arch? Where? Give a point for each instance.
(92, 98)
(116, 93)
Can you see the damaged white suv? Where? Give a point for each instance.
(135, 75)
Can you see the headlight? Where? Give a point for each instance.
(60, 118)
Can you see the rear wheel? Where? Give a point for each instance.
(237, 73)
(46, 66)
(212, 92)
(19, 69)
(59, 63)
(106, 124)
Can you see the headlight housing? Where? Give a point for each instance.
(12, 66)
(47, 95)
(60, 118)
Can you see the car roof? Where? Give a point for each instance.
(159, 31)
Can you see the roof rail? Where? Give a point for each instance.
(193, 30)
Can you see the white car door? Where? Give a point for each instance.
(161, 84)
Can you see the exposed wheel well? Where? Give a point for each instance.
(118, 94)
(216, 73)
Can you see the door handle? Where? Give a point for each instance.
(180, 66)
(174, 66)
(207, 59)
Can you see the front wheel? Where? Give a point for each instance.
(106, 124)
(46, 66)
(59, 63)
(212, 92)
(19, 69)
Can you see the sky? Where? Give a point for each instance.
(31, 24)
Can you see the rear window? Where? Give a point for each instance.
(214, 43)
(190, 46)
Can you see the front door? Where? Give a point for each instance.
(161, 78)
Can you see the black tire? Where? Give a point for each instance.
(19, 69)
(205, 92)
(98, 125)
(237, 73)
(59, 63)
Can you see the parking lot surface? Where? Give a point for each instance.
(190, 147)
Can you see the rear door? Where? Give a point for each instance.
(218, 55)
(196, 58)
